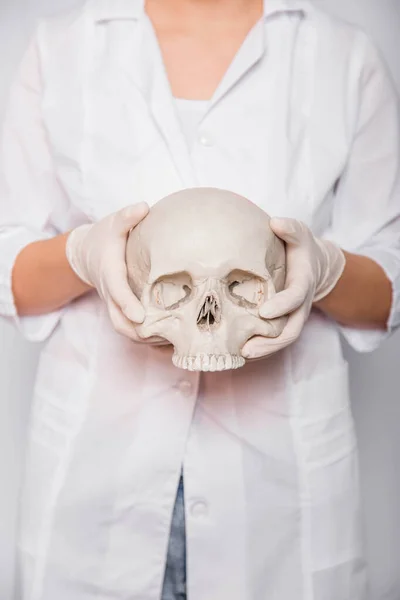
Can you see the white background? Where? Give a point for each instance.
(375, 378)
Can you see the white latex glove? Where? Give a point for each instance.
(97, 255)
(313, 267)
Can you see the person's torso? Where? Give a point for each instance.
(268, 451)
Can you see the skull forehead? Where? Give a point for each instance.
(205, 228)
(200, 208)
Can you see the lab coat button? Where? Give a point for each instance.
(185, 387)
(205, 140)
(199, 508)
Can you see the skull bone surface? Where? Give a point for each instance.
(202, 262)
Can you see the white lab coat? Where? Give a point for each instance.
(305, 124)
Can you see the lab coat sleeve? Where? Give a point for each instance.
(31, 199)
(366, 214)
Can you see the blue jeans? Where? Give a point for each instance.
(174, 587)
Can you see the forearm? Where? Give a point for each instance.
(43, 280)
(362, 297)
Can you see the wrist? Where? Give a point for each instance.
(334, 262)
(74, 252)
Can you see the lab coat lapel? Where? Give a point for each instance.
(329, 150)
(142, 61)
(255, 44)
(249, 54)
(155, 85)
(313, 157)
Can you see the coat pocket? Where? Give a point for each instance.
(326, 447)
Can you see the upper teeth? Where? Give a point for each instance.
(208, 362)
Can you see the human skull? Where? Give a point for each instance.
(202, 262)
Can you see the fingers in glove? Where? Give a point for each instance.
(287, 301)
(121, 324)
(129, 217)
(290, 231)
(155, 340)
(125, 327)
(121, 294)
(260, 347)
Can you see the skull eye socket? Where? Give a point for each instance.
(171, 291)
(246, 289)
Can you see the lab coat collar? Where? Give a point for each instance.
(107, 10)
(273, 7)
(255, 45)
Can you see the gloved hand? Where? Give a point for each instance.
(313, 267)
(96, 253)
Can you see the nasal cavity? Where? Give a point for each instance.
(210, 313)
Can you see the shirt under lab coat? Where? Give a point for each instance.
(305, 124)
